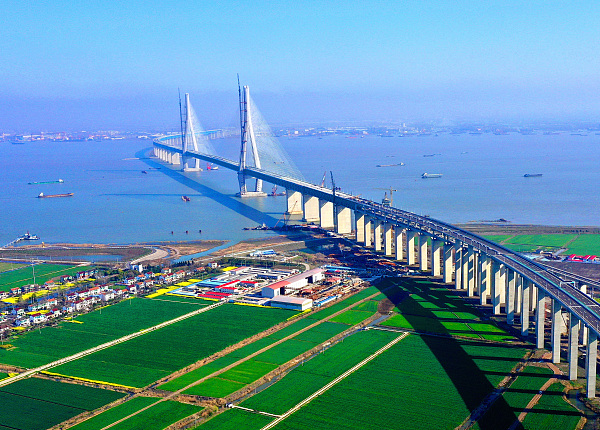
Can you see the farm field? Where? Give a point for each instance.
(424, 307)
(51, 343)
(249, 371)
(158, 416)
(582, 244)
(236, 419)
(143, 360)
(178, 299)
(4, 267)
(424, 365)
(33, 403)
(313, 374)
(43, 273)
(552, 412)
(114, 414)
(293, 347)
(352, 317)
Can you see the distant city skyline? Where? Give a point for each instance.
(74, 65)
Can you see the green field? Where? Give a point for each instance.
(352, 317)
(278, 355)
(252, 370)
(426, 308)
(143, 360)
(177, 299)
(236, 419)
(51, 343)
(4, 267)
(33, 403)
(43, 273)
(401, 387)
(98, 422)
(318, 371)
(547, 240)
(552, 412)
(585, 244)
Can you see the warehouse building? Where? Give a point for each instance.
(293, 303)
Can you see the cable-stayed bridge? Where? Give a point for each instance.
(512, 284)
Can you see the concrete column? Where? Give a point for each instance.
(540, 317)
(326, 213)
(399, 242)
(436, 257)
(469, 267)
(591, 358)
(368, 231)
(483, 284)
(525, 307)
(458, 265)
(387, 239)
(448, 263)
(294, 202)
(377, 231)
(465, 269)
(518, 297)
(344, 220)
(411, 238)
(573, 346)
(311, 210)
(496, 288)
(423, 253)
(359, 219)
(510, 299)
(502, 284)
(556, 329)
(533, 299)
(585, 329)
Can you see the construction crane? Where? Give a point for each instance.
(385, 199)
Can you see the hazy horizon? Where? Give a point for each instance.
(70, 65)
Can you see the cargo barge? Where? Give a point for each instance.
(47, 196)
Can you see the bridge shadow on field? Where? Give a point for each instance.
(235, 204)
(470, 381)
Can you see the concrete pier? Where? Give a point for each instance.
(469, 271)
(448, 263)
(411, 238)
(326, 213)
(436, 257)
(294, 202)
(344, 220)
(423, 253)
(377, 232)
(591, 359)
(510, 297)
(458, 284)
(556, 329)
(540, 318)
(399, 242)
(387, 239)
(311, 209)
(485, 288)
(525, 306)
(573, 346)
(496, 286)
(368, 231)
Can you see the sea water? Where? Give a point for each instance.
(114, 202)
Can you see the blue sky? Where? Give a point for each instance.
(119, 63)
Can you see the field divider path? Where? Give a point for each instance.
(125, 338)
(335, 381)
(268, 414)
(242, 360)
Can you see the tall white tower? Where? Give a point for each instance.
(247, 133)
(189, 139)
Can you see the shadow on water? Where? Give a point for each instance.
(468, 379)
(228, 201)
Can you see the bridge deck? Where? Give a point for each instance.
(580, 304)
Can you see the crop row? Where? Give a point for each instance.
(31, 404)
(51, 343)
(43, 273)
(144, 359)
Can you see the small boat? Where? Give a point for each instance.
(47, 196)
(28, 236)
(185, 198)
(390, 165)
(60, 181)
(431, 175)
(143, 171)
(532, 175)
(211, 167)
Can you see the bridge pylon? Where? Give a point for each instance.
(247, 134)
(189, 139)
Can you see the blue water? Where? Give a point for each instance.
(115, 202)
